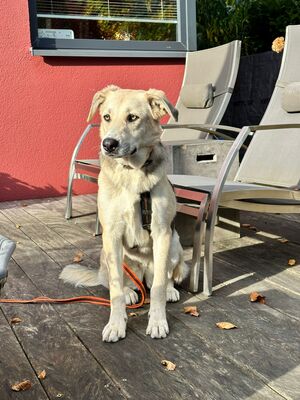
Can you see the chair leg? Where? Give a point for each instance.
(68, 213)
(208, 264)
(208, 253)
(197, 245)
(98, 226)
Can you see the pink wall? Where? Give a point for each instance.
(45, 101)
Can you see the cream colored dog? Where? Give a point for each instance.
(133, 161)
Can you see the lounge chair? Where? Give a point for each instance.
(268, 179)
(214, 69)
(209, 73)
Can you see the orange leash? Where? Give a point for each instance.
(87, 299)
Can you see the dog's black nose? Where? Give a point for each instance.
(110, 144)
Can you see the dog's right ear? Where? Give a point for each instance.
(160, 105)
(99, 98)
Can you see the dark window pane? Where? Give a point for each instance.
(154, 20)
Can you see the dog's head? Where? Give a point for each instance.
(129, 119)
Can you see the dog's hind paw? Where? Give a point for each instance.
(157, 329)
(131, 297)
(172, 295)
(113, 331)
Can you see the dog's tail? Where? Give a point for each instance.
(81, 276)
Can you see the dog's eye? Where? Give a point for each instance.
(106, 117)
(132, 117)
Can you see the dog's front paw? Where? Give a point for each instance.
(157, 328)
(114, 330)
(131, 297)
(172, 295)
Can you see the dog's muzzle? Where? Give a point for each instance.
(110, 145)
(114, 148)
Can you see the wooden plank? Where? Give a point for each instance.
(291, 217)
(132, 362)
(230, 278)
(84, 241)
(240, 354)
(35, 261)
(283, 225)
(267, 342)
(51, 345)
(268, 260)
(214, 375)
(85, 205)
(71, 232)
(55, 245)
(87, 322)
(15, 367)
(52, 211)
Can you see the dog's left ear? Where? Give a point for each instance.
(160, 105)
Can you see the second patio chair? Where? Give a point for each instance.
(268, 179)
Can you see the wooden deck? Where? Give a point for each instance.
(259, 360)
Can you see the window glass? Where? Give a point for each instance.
(147, 20)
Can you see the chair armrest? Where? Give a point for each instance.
(210, 129)
(255, 128)
(77, 147)
(81, 139)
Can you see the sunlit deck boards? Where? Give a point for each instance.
(259, 360)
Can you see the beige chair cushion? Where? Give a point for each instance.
(291, 97)
(197, 95)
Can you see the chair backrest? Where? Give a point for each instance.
(218, 66)
(273, 157)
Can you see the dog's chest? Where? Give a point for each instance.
(134, 233)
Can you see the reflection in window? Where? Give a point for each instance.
(150, 20)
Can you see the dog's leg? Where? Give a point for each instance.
(116, 327)
(172, 293)
(131, 296)
(158, 325)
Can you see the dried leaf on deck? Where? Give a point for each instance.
(256, 297)
(132, 314)
(15, 320)
(42, 374)
(18, 226)
(245, 225)
(192, 310)
(78, 256)
(20, 386)
(282, 240)
(253, 228)
(292, 262)
(24, 205)
(226, 325)
(168, 364)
